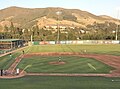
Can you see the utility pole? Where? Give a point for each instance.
(58, 29)
(116, 35)
(31, 36)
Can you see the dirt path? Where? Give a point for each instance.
(14, 65)
(61, 74)
(113, 61)
(11, 72)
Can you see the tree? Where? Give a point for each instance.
(6, 29)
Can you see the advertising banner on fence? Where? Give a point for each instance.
(79, 42)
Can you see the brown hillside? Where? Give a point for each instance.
(26, 17)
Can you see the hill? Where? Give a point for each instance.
(26, 17)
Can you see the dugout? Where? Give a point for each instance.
(11, 43)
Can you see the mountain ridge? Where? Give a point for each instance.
(28, 17)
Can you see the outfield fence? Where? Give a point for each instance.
(78, 42)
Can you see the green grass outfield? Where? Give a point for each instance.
(74, 64)
(48, 82)
(113, 49)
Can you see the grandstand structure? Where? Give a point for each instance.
(11, 43)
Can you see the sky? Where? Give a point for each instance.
(97, 7)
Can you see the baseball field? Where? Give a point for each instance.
(65, 67)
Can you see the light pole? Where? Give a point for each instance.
(58, 35)
(23, 30)
(66, 37)
(116, 35)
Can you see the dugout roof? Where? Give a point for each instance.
(8, 40)
(11, 43)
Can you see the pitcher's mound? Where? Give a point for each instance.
(57, 63)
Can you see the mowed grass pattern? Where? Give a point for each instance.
(49, 82)
(97, 49)
(74, 64)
